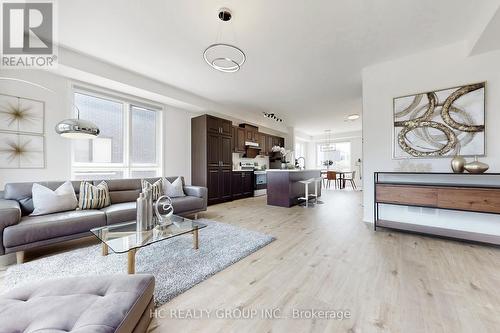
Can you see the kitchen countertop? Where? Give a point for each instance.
(292, 170)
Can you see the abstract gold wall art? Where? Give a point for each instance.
(22, 142)
(21, 115)
(21, 151)
(440, 123)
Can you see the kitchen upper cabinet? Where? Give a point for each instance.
(219, 125)
(281, 142)
(262, 139)
(276, 141)
(226, 127)
(250, 132)
(213, 124)
(239, 140)
(269, 144)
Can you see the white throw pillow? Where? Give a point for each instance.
(46, 201)
(173, 189)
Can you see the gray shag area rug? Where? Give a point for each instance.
(174, 263)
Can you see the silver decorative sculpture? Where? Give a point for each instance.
(144, 217)
(168, 210)
(476, 166)
(458, 164)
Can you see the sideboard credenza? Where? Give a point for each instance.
(476, 193)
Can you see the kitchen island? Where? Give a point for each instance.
(284, 189)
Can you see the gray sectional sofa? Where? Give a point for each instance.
(20, 232)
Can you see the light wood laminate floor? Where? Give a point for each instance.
(326, 258)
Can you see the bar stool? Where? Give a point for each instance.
(306, 195)
(317, 181)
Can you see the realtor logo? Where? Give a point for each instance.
(28, 35)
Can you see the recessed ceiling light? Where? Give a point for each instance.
(353, 116)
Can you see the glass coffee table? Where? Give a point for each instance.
(124, 238)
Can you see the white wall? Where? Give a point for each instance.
(177, 143)
(176, 129)
(57, 107)
(448, 66)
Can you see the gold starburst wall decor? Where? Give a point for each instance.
(21, 151)
(22, 142)
(21, 115)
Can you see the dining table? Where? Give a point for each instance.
(341, 174)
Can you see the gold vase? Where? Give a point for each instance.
(458, 164)
(476, 166)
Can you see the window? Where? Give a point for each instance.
(300, 149)
(338, 152)
(129, 145)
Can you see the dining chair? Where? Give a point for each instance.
(331, 175)
(323, 178)
(349, 177)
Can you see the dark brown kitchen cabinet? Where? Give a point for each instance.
(242, 183)
(219, 125)
(261, 139)
(239, 140)
(237, 185)
(226, 151)
(276, 141)
(269, 144)
(248, 184)
(211, 156)
(250, 132)
(225, 178)
(281, 142)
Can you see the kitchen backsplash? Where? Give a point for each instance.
(260, 160)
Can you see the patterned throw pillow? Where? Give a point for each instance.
(93, 197)
(156, 188)
(174, 189)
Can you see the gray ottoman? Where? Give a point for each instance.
(117, 303)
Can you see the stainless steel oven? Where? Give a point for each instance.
(260, 186)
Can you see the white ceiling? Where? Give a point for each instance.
(304, 58)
